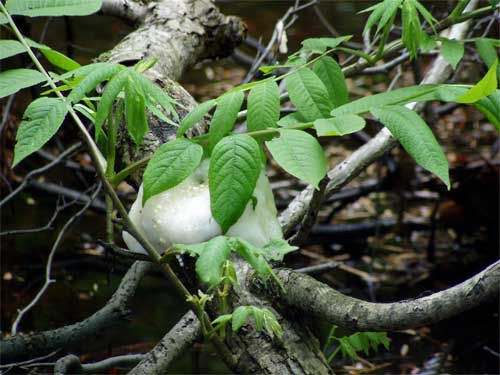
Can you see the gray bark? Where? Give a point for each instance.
(314, 298)
(174, 343)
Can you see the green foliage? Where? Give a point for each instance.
(483, 88)
(330, 73)
(224, 117)
(452, 51)
(299, 154)
(234, 169)
(487, 49)
(90, 81)
(320, 45)
(490, 106)
(171, 164)
(209, 265)
(308, 94)
(195, 116)
(416, 138)
(213, 255)
(263, 106)
(341, 125)
(42, 119)
(135, 112)
(358, 342)
(10, 48)
(11, 81)
(381, 15)
(49, 8)
(263, 318)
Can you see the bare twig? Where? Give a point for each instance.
(48, 279)
(112, 314)
(38, 171)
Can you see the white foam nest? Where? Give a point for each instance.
(181, 215)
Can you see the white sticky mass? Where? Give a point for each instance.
(182, 215)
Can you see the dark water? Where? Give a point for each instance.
(84, 282)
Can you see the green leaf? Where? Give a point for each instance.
(299, 154)
(347, 349)
(277, 249)
(156, 94)
(224, 117)
(308, 94)
(11, 81)
(214, 255)
(342, 125)
(240, 317)
(431, 20)
(234, 169)
(293, 118)
(452, 51)
(263, 106)
(195, 116)
(416, 138)
(3, 19)
(400, 96)
(330, 73)
(255, 257)
(428, 43)
(135, 112)
(190, 249)
(490, 106)
(271, 323)
(483, 88)
(222, 319)
(171, 164)
(79, 73)
(487, 49)
(389, 8)
(60, 60)
(320, 45)
(10, 48)
(113, 88)
(49, 8)
(412, 28)
(41, 120)
(97, 75)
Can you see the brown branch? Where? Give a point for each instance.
(317, 299)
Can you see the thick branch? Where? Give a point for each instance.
(129, 10)
(174, 343)
(317, 299)
(115, 312)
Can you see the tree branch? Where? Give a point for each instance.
(128, 10)
(317, 299)
(174, 343)
(115, 312)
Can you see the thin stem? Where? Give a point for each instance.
(458, 9)
(355, 52)
(332, 356)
